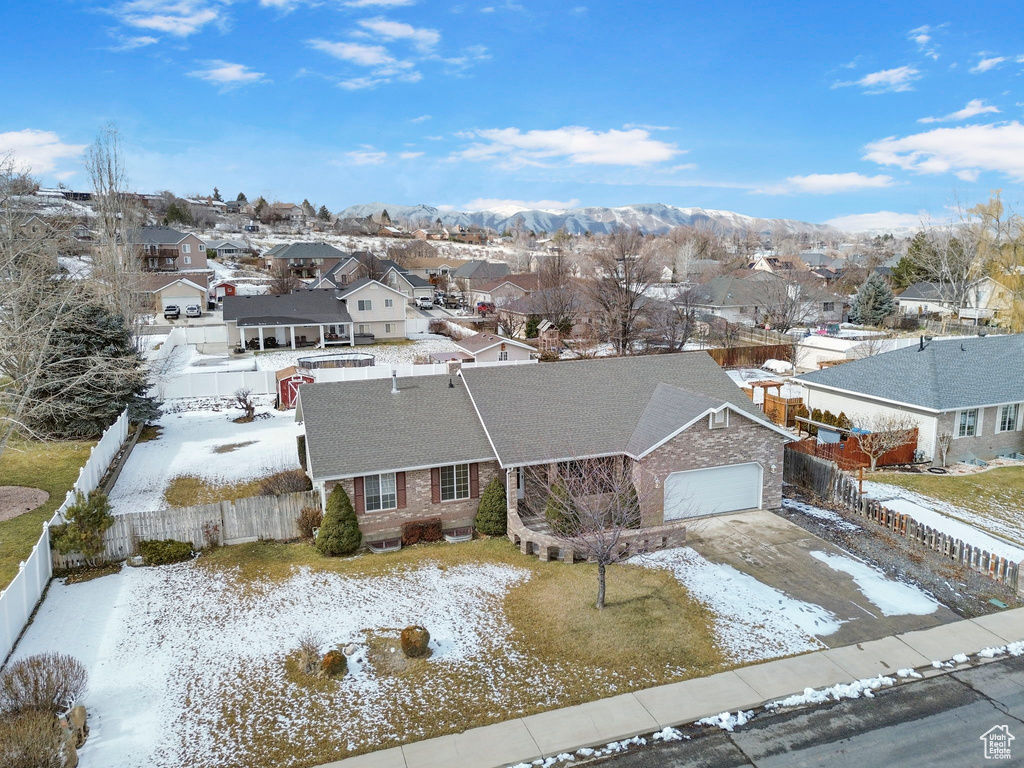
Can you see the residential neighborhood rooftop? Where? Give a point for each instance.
(319, 306)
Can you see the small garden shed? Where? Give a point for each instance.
(288, 382)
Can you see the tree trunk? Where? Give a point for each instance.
(874, 462)
(600, 585)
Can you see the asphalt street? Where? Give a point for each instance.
(935, 722)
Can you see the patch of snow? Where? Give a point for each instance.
(961, 658)
(754, 621)
(830, 518)
(669, 734)
(777, 366)
(941, 516)
(892, 598)
(728, 721)
(904, 673)
(855, 690)
(383, 354)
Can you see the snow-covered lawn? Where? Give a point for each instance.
(754, 621)
(206, 443)
(383, 354)
(964, 524)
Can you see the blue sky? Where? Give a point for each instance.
(819, 112)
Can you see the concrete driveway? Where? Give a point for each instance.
(777, 552)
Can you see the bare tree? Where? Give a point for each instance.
(884, 432)
(282, 280)
(594, 507)
(511, 324)
(943, 443)
(783, 303)
(671, 324)
(624, 268)
(244, 400)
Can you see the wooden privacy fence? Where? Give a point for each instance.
(750, 357)
(848, 454)
(828, 483)
(231, 522)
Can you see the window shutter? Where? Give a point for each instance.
(360, 503)
(400, 489)
(435, 485)
(474, 481)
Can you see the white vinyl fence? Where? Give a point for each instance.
(264, 382)
(20, 597)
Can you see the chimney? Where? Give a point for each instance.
(394, 381)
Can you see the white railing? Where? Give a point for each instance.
(19, 598)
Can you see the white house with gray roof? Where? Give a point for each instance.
(677, 419)
(971, 389)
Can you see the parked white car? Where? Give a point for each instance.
(193, 310)
(424, 302)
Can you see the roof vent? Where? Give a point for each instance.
(394, 382)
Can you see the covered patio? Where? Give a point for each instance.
(307, 318)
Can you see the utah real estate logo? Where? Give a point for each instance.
(997, 742)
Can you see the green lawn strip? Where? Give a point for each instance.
(53, 467)
(651, 632)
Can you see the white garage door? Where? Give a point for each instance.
(179, 301)
(712, 491)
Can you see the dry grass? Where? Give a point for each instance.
(150, 432)
(230, 447)
(190, 491)
(53, 467)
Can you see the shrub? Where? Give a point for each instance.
(532, 327)
(439, 327)
(47, 682)
(422, 530)
(32, 739)
(290, 481)
(560, 510)
(339, 532)
(87, 520)
(842, 420)
(415, 640)
(549, 356)
(309, 520)
(492, 515)
(333, 664)
(211, 534)
(165, 551)
(309, 652)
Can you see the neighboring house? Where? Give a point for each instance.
(971, 389)
(438, 233)
(312, 317)
(586, 314)
(488, 348)
(677, 422)
(306, 261)
(777, 264)
(434, 269)
(746, 299)
(375, 308)
(228, 248)
(473, 235)
(352, 226)
(984, 299)
(160, 291)
(167, 250)
(289, 212)
(413, 286)
(479, 272)
(506, 289)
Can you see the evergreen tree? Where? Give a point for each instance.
(339, 532)
(912, 267)
(178, 212)
(874, 301)
(87, 520)
(216, 194)
(532, 326)
(94, 371)
(242, 198)
(323, 214)
(307, 208)
(492, 515)
(259, 205)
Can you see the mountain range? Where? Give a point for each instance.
(649, 217)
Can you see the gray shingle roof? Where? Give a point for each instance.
(160, 236)
(360, 427)
(946, 375)
(308, 307)
(477, 269)
(926, 292)
(484, 340)
(305, 251)
(545, 412)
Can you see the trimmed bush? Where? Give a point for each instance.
(422, 530)
(415, 641)
(492, 514)
(289, 481)
(87, 520)
(32, 739)
(333, 664)
(339, 532)
(47, 682)
(309, 520)
(165, 551)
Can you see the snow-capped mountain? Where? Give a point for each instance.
(650, 217)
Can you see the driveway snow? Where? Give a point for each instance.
(755, 621)
(892, 598)
(187, 446)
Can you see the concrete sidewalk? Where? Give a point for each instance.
(599, 722)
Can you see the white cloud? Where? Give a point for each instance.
(984, 65)
(880, 220)
(131, 43)
(37, 151)
(363, 55)
(227, 74)
(886, 81)
(574, 144)
(174, 17)
(974, 107)
(420, 119)
(965, 149)
(378, 3)
(647, 127)
(423, 39)
(827, 184)
(409, 155)
(923, 38)
(366, 157)
(362, 83)
(488, 203)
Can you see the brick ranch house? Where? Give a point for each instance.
(428, 450)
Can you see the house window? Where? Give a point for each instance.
(389, 302)
(187, 259)
(719, 419)
(152, 263)
(170, 259)
(967, 423)
(365, 305)
(186, 248)
(387, 327)
(1008, 417)
(830, 306)
(455, 482)
(503, 354)
(363, 329)
(380, 492)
